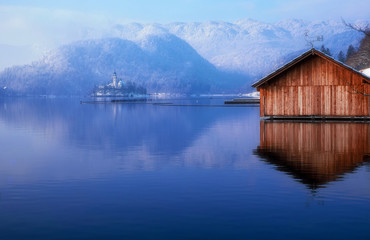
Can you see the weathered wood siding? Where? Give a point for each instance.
(315, 86)
(319, 151)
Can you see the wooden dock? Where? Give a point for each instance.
(131, 100)
(314, 118)
(243, 101)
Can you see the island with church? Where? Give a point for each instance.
(119, 88)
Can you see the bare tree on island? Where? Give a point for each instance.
(364, 29)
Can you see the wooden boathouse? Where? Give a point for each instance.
(314, 85)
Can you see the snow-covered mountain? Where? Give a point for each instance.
(177, 57)
(248, 46)
(161, 62)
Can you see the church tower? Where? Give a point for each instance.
(115, 79)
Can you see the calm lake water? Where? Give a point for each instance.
(143, 171)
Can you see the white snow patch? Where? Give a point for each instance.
(366, 71)
(252, 94)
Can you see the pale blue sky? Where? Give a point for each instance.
(203, 10)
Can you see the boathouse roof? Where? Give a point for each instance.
(301, 58)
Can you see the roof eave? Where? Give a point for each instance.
(297, 60)
(283, 68)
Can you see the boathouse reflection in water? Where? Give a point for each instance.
(315, 153)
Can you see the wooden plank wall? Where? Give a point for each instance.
(315, 86)
(323, 149)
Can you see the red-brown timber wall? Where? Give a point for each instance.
(315, 87)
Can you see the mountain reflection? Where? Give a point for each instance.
(112, 127)
(314, 153)
(63, 139)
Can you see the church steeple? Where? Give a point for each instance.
(114, 79)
